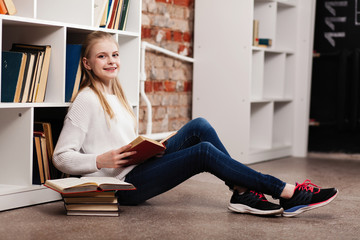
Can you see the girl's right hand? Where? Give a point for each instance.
(114, 158)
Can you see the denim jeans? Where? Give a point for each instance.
(194, 149)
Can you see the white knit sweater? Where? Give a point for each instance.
(89, 132)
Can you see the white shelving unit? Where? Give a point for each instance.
(257, 98)
(55, 23)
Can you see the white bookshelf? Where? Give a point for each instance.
(54, 23)
(257, 98)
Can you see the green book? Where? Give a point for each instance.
(11, 65)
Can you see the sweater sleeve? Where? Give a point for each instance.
(68, 157)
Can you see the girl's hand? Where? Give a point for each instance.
(115, 158)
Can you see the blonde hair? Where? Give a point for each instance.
(89, 78)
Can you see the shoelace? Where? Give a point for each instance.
(260, 195)
(306, 186)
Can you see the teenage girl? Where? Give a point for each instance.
(100, 124)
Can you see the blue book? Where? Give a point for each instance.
(73, 52)
(10, 74)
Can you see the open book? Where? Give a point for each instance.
(146, 148)
(87, 184)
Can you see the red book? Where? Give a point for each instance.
(113, 14)
(146, 148)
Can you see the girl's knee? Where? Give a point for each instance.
(201, 121)
(200, 124)
(206, 147)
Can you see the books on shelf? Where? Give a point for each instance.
(36, 71)
(257, 41)
(41, 157)
(146, 148)
(264, 42)
(114, 14)
(91, 204)
(73, 71)
(87, 184)
(43, 168)
(25, 71)
(7, 7)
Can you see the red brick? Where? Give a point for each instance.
(170, 86)
(187, 86)
(158, 86)
(177, 36)
(187, 37)
(148, 86)
(145, 32)
(185, 3)
(167, 34)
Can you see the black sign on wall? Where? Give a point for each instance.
(337, 25)
(335, 90)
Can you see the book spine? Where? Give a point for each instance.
(265, 41)
(255, 32)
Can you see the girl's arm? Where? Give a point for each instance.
(67, 156)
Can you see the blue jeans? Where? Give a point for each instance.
(194, 149)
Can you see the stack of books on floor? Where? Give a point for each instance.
(89, 196)
(91, 204)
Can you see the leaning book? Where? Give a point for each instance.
(87, 184)
(146, 148)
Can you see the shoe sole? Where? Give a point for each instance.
(240, 208)
(304, 208)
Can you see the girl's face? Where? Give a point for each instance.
(103, 60)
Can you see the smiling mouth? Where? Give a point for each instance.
(110, 69)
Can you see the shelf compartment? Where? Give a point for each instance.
(67, 11)
(282, 124)
(274, 75)
(285, 23)
(16, 146)
(257, 74)
(261, 123)
(38, 34)
(265, 13)
(290, 76)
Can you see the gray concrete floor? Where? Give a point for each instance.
(197, 209)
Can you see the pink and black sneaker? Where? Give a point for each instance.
(307, 197)
(253, 203)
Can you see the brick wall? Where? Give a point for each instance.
(168, 24)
